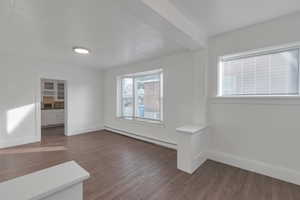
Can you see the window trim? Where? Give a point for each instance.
(253, 53)
(120, 97)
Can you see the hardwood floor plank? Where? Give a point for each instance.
(127, 169)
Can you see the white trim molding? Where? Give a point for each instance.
(278, 172)
(143, 138)
(200, 159)
(258, 100)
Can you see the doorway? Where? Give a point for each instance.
(53, 109)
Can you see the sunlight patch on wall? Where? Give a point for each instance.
(16, 116)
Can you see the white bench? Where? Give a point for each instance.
(61, 182)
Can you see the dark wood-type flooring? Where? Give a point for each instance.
(128, 169)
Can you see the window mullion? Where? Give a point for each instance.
(298, 71)
(122, 98)
(161, 96)
(133, 100)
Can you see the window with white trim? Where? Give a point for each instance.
(267, 73)
(140, 96)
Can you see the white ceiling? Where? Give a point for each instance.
(48, 29)
(218, 16)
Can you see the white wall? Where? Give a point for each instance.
(183, 90)
(255, 129)
(19, 86)
(257, 134)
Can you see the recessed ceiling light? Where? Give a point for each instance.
(81, 50)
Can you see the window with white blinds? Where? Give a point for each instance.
(273, 73)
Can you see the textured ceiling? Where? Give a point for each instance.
(48, 29)
(218, 16)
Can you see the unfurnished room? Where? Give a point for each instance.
(149, 100)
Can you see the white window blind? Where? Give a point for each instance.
(275, 73)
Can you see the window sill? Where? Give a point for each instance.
(143, 121)
(259, 97)
(265, 100)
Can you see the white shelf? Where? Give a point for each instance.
(192, 129)
(58, 88)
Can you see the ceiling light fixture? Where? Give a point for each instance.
(81, 50)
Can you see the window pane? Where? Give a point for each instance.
(148, 97)
(127, 97)
(272, 74)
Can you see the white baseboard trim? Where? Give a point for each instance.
(143, 138)
(259, 167)
(12, 142)
(83, 131)
(198, 161)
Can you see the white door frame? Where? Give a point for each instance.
(38, 111)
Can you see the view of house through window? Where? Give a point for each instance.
(268, 73)
(141, 95)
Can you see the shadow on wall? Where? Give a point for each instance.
(15, 117)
